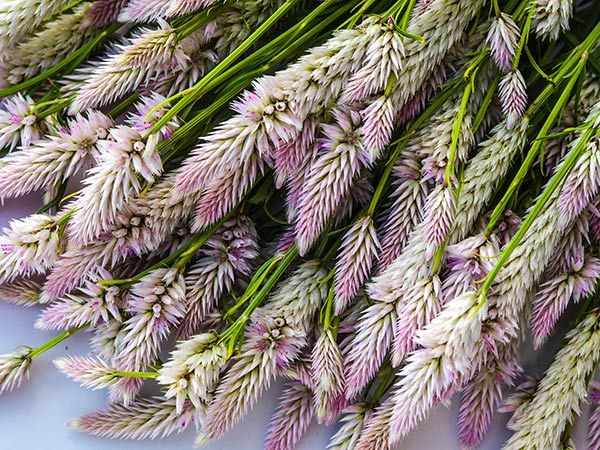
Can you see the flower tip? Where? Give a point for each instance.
(203, 438)
(75, 424)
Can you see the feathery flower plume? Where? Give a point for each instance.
(143, 419)
(382, 60)
(355, 259)
(30, 246)
(448, 342)
(483, 395)
(406, 202)
(441, 25)
(580, 188)
(130, 235)
(126, 157)
(327, 372)
(353, 422)
(594, 420)
(292, 418)
(225, 192)
(420, 304)
(270, 343)
(557, 398)
(291, 157)
(503, 37)
(48, 46)
(148, 55)
(149, 10)
(440, 209)
(57, 157)
(263, 121)
(91, 372)
(483, 173)
(21, 292)
(14, 367)
(513, 97)
(376, 431)
(369, 346)
(516, 403)
(571, 250)
(276, 334)
(123, 161)
(93, 304)
(550, 17)
(193, 370)
(19, 125)
(554, 295)
(342, 157)
(468, 263)
(156, 304)
(17, 18)
(227, 256)
(103, 12)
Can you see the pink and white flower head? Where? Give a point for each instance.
(270, 346)
(513, 97)
(503, 38)
(292, 418)
(14, 368)
(49, 161)
(148, 10)
(156, 305)
(146, 115)
(29, 246)
(194, 369)
(18, 123)
(91, 304)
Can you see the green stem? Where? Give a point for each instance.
(535, 148)
(121, 374)
(54, 342)
(524, 38)
(328, 308)
(199, 89)
(233, 332)
(553, 185)
(456, 128)
(256, 281)
(73, 59)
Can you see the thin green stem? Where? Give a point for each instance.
(54, 342)
(456, 129)
(121, 374)
(200, 88)
(257, 280)
(72, 60)
(543, 200)
(232, 334)
(535, 149)
(328, 309)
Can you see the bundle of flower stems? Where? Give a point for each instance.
(379, 202)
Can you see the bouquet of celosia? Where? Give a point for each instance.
(374, 200)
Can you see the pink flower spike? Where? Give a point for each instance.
(357, 255)
(513, 97)
(503, 38)
(554, 295)
(292, 418)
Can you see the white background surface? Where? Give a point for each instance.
(34, 417)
